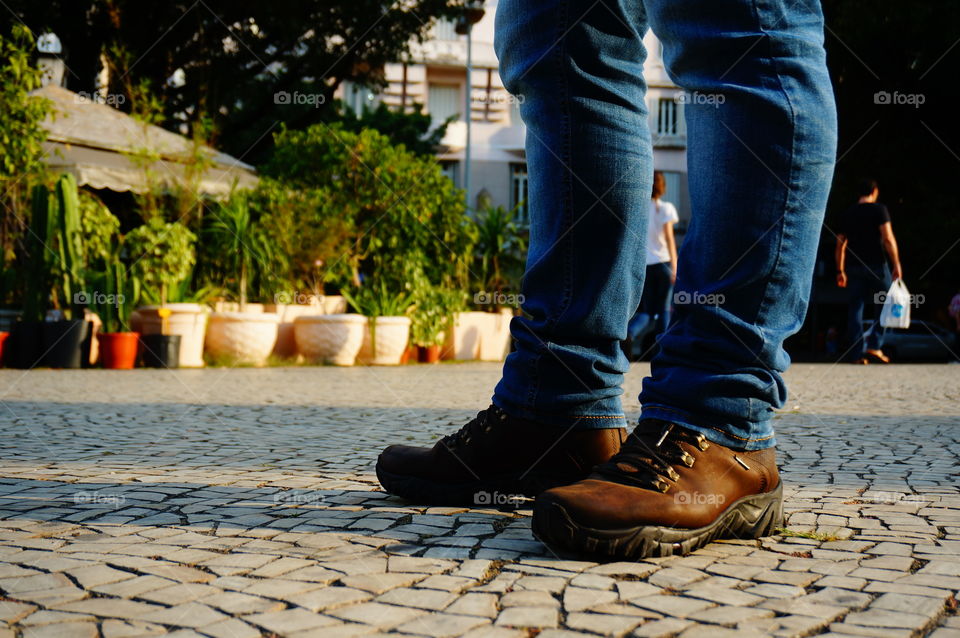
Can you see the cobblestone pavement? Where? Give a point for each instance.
(236, 503)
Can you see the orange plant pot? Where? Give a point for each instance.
(3, 337)
(118, 350)
(428, 354)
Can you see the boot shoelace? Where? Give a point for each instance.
(647, 460)
(480, 425)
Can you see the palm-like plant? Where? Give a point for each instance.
(501, 248)
(238, 242)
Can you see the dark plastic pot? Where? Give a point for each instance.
(22, 347)
(428, 354)
(64, 343)
(118, 350)
(160, 351)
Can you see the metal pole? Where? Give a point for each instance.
(468, 115)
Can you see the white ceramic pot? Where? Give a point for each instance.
(189, 320)
(332, 304)
(286, 346)
(495, 338)
(392, 334)
(242, 337)
(234, 306)
(332, 339)
(479, 335)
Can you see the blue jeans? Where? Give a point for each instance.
(864, 285)
(761, 131)
(655, 302)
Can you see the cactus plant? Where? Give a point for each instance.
(69, 243)
(41, 258)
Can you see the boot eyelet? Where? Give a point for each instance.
(687, 459)
(673, 474)
(661, 485)
(702, 442)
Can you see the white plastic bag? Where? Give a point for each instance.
(896, 306)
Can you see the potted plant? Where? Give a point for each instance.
(113, 302)
(431, 317)
(53, 331)
(500, 254)
(243, 336)
(161, 257)
(388, 327)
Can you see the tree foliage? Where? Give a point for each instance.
(233, 56)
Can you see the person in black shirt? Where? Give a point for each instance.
(867, 263)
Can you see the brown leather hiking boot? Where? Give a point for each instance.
(495, 459)
(667, 491)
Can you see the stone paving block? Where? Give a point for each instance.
(580, 599)
(429, 599)
(528, 598)
(675, 577)
(65, 630)
(442, 625)
(534, 617)
(679, 606)
(847, 629)
(112, 608)
(628, 589)
(730, 616)
(920, 605)
(380, 583)
(112, 628)
(875, 617)
(661, 628)
(605, 624)
(12, 611)
(237, 603)
(280, 588)
(231, 628)
(290, 621)
(475, 604)
(180, 593)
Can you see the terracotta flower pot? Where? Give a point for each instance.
(428, 354)
(3, 337)
(118, 350)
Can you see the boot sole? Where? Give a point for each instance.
(507, 491)
(752, 516)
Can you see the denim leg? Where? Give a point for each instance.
(761, 133)
(880, 282)
(856, 299)
(578, 65)
(657, 290)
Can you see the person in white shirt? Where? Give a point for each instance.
(654, 310)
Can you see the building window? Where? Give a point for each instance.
(445, 30)
(443, 101)
(668, 117)
(451, 168)
(518, 193)
(357, 97)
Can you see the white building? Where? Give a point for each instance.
(436, 76)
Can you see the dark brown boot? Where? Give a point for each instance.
(668, 491)
(495, 459)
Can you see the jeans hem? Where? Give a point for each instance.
(716, 434)
(571, 421)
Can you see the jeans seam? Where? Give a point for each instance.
(558, 55)
(767, 300)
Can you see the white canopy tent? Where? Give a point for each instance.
(106, 148)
